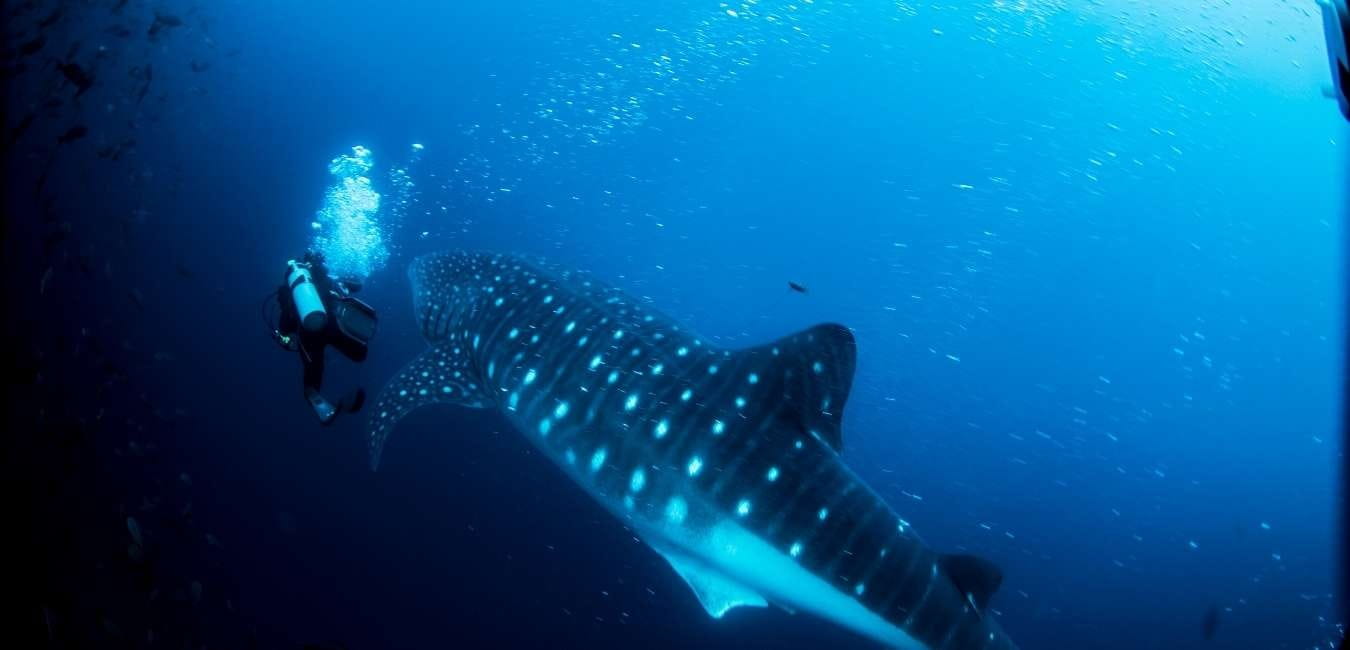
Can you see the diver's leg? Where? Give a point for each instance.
(312, 358)
(356, 351)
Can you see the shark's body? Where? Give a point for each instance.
(725, 462)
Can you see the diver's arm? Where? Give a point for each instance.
(288, 324)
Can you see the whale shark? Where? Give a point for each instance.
(725, 462)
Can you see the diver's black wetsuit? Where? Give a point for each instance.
(313, 345)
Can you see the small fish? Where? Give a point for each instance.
(114, 152)
(149, 76)
(72, 134)
(120, 31)
(117, 8)
(46, 277)
(51, 20)
(137, 298)
(1210, 624)
(793, 286)
(19, 128)
(198, 66)
(162, 22)
(77, 76)
(134, 528)
(32, 47)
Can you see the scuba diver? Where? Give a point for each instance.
(317, 311)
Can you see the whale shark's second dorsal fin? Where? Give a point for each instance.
(439, 375)
(816, 373)
(975, 576)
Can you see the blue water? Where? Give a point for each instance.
(1088, 253)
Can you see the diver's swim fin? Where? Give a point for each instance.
(357, 401)
(322, 407)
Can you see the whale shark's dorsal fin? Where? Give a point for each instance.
(717, 593)
(818, 365)
(437, 376)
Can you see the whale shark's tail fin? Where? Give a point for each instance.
(817, 373)
(437, 376)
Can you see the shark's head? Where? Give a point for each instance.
(440, 284)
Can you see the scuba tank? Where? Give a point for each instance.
(308, 304)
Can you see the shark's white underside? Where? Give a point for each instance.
(728, 566)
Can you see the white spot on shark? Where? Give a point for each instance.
(677, 510)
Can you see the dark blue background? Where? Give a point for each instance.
(1118, 340)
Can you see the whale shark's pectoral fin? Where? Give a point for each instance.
(716, 592)
(437, 376)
